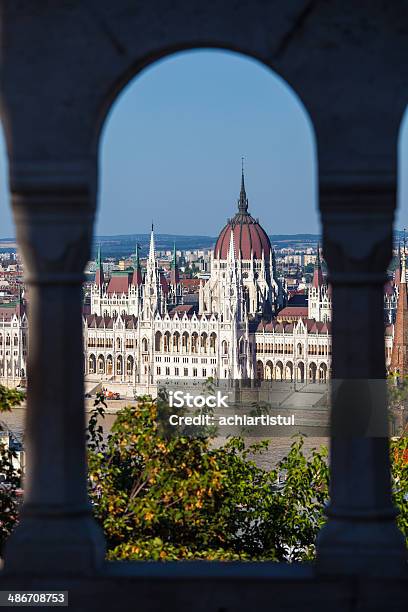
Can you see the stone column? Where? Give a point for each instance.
(54, 220)
(361, 536)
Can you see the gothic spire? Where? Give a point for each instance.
(174, 260)
(403, 269)
(99, 278)
(243, 200)
(137, 261)
(174, 273)
(151, 248)
(137, 271)
(317, 274)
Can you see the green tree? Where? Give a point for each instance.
(10, 475)
(399, 479)
(162, 497)
(181, 498)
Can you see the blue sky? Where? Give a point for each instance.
(172, 144)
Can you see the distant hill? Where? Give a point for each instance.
(124, 245)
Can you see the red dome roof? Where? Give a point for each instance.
(249, 236)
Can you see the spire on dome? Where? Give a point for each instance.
(243, 200)
(317, 274)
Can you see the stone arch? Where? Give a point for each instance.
(203, 342)
(261, 36)
(176, 341)
(279, 370)
(109, 365)
(118, 344)
(185, 342)
(194, 342)
(289, 371)
(129, 365)
(145, 345)
(312, 372)
(300, 372)
(92, 364)
(101, 364)
(213, 342)
(119, 365)
(268, 370)
(166, 341)
(323, 373)
(259, 370)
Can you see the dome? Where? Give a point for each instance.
(249, 236)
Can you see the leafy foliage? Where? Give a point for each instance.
(178, 498)
(10, 475)
(160, 497)
(399, 480)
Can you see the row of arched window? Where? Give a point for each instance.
(185, 342)
(7, 340)
(104, 365)
(100, 342)
(287, 349)
(287, 371)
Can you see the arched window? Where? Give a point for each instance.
(91, 364)
(119, 365)
(109, 365)
(157, 342)
(194, 342)
(129, 365)
(213, 341)
(101, 364)
(185, 342)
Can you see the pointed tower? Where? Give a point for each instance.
(399, 356)
(137, 279)
(175, 289)
(319, 294)
(243, 200)
(99, 277)
(397, 276)
(174, 272)
(151, 293)
(317, 273)
(20, 302)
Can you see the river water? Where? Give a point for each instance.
(278, 446)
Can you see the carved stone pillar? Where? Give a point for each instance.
(361, 536)
(56, 532)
